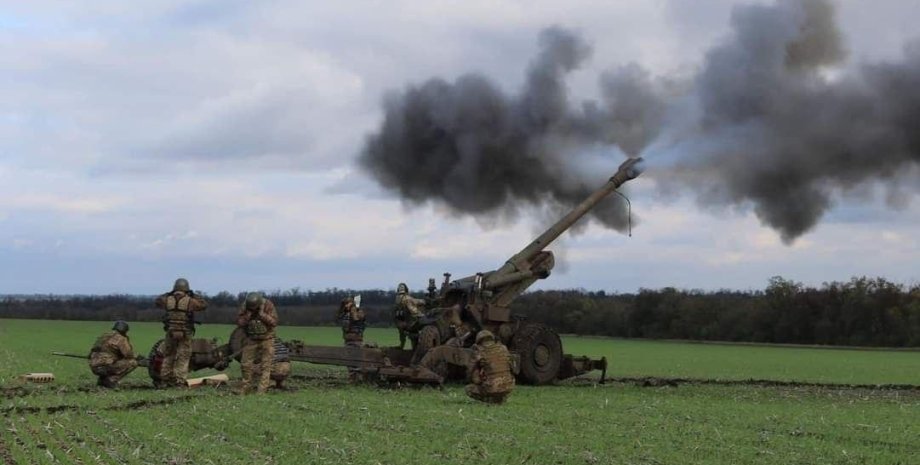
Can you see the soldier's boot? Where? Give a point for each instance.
(109, 382)
(354, 377)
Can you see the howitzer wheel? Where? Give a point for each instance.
(540, 351)
(428, 338)
(155, 364)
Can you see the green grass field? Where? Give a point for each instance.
(322, 419)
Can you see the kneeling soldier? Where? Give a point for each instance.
(258, 319)
(112, 356)
(490, 370)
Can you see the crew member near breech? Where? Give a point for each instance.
(258, 319)
(179, 323)
(406, 312)
(112, 356)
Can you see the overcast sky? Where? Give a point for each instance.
(217, 140)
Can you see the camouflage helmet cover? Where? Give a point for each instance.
(121, 326)
(402, 288)
(484, 335)
(254, 300)
(181, 284)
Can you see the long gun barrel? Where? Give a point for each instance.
(63, 354)
(141, 361)
(628, 170)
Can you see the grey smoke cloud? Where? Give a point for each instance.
(480, 151)
(774, 119)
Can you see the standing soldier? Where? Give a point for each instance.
(490, 370)
(406, 313)
(112, 356)
(179, 323)
(352, 319)
(258, 319)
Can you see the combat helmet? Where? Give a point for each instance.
(181, 285)
(254, 300)
(402, 288)
(484, 336)
(121, 326)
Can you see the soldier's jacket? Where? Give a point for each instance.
(352, 319)
(259, 325)
(179, 306)
(491, 367)
(414, 307)
(109, 348)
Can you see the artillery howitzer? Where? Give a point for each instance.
(483, 300)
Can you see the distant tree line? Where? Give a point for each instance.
(861, 312)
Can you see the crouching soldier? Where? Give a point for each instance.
(490, 370)
(258, 319)
(112, 356)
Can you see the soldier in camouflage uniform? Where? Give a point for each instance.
(406, 313)
(179, 323)
(352, 319)
(490, 370)
(258, 319)
(112, 356)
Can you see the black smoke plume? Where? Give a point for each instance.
(773, 119)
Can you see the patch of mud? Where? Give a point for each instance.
(136, 405)
(652, 381)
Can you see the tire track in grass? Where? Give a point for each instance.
(243, 436)
(134, 405)
(218, 429)
(18, 446)
(121, 438)
(64, 447)
(40, 442)
(6, 456)
(69, 435)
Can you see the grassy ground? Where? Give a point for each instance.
(321, 419)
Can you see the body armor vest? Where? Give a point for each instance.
(496, 367)
(256, 329)
(177, 312)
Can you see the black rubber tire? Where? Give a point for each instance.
(155, 362)
(540, 352)
(428, 338)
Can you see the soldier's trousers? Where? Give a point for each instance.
(110, 374)
(256, 364)
(177, 350)
(353, 373)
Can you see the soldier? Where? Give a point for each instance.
(352, 319)
(258, 319)
(490, 370)
(112, 356)
(406, 314)
(179, 324)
